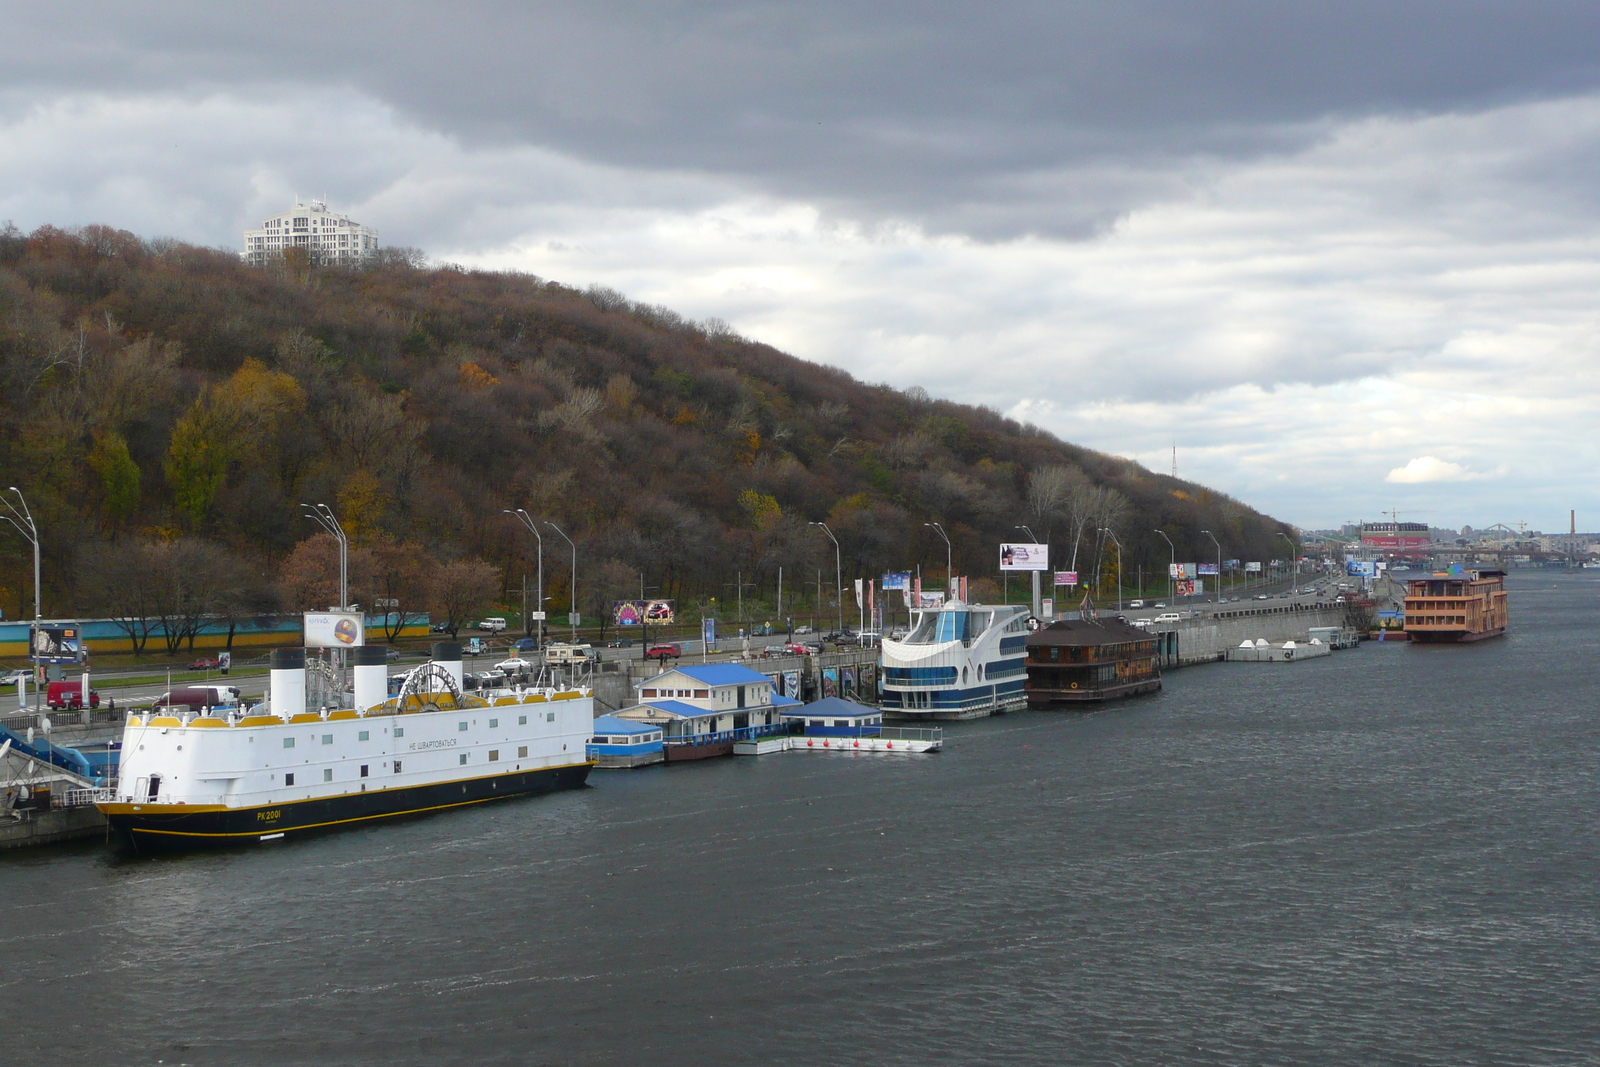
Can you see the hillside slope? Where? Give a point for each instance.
(156, 392)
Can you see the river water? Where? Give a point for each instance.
(1385, 856)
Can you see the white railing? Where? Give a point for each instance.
(911, 733)
(83, 798)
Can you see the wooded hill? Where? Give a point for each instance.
(166, 409)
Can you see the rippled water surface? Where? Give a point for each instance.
(1386, 856)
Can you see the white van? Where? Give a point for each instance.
(1170, 616)
(1134, 604)
(493, 625)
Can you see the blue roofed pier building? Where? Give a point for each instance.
(703, 710)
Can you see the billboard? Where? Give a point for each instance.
(335, 629)
(900, 580)
(1181, 571)
(61, 643)
(1047, 607)
(927, 601)
(1357, 568)
(1253, 568)
(1208, 568)
(1024, 557)
(633, 612)
(1066, 578)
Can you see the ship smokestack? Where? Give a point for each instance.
(288, 681)
(447, 654)
(371, 681)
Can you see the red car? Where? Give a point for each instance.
(664, 652)
(205, 663)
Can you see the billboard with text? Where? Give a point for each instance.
(335, 629)
(1024, 557)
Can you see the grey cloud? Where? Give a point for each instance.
(979, 118)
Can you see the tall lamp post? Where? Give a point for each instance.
(523, 517)
(949, 568)
(1035, 540)
(22, 519)
(1107, 531)
(1172, 566)
(323, 516)
(838, 569)
(1213, 537)
(1294, 554)
(572, 613)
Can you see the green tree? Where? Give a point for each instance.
(119, 475)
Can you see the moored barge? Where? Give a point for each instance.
(1453, 608)
(1089, 660)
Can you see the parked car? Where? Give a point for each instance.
(792, 648)
(391, 654)
(621, 642)
(525, 644)
(69, 695)
(438, 628)
(13, 677)
(802, 629)
(494, 624)
(664, 652)
(205, 663)
(199, 696)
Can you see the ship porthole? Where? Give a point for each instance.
(1074, 685)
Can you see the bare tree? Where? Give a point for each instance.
(1049, 491)
(119, 581)
(398, 582)
(462, 589)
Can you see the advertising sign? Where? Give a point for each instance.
(1231, 564)
(1066, 577)
(633, 612)
(900, 580)
(1253, 568)
(1181, 571)
(1024, 557)
(335, 629)
(1357, 568)
(708, 633)
(62, 643)
(1047, 607)
(224, 662)
(1183, 587)
(1208, 568)
(926, 601)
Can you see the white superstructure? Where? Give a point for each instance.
(960, 661)
(326, 236)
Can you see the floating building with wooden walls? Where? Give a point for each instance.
(1467, 606)
(1083, 661)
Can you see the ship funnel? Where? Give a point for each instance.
(371, 681)
(447, 654)
(288, 681)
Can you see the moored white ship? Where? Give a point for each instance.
(960, 661)
(283, 768)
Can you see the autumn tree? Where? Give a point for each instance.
(462, 589)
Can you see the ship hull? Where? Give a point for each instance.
(1046, 698)
(709, 750)
(169, 827)
(1453, 637)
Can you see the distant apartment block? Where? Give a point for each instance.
(326, 236)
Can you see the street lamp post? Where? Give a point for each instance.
(572, 612)
(323, 516)
(1213, 537)
(1107, 531)
(1035, 574)
(22, 519)
(523, 517)
(838, 569)
(1294, 551)
(1172, 566)
(949, 568)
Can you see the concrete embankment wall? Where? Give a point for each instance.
(26, 828)
(1207, 639)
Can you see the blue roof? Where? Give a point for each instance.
(834, 708)
(781, 701)
(610, 724)
(722, 674)
(678, 707)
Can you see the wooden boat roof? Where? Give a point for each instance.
(1088, 632)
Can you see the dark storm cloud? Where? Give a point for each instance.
(989, 119)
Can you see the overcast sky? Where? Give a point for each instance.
(1345, 256)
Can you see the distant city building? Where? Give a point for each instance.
(327, 237)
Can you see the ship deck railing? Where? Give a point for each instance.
(743, 733)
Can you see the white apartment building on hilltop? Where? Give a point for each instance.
(327, 237)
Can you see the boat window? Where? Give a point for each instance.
(522, 720)
(461, 726)
(363, 770)
(288, 779)
(494, 755)
(399, 731)
(288, 742)
(327, 774)
(549, 716)
(493, 723)
(364, 735)
(397, 762)
(327, 739)
(463, 758)
(522, 752)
